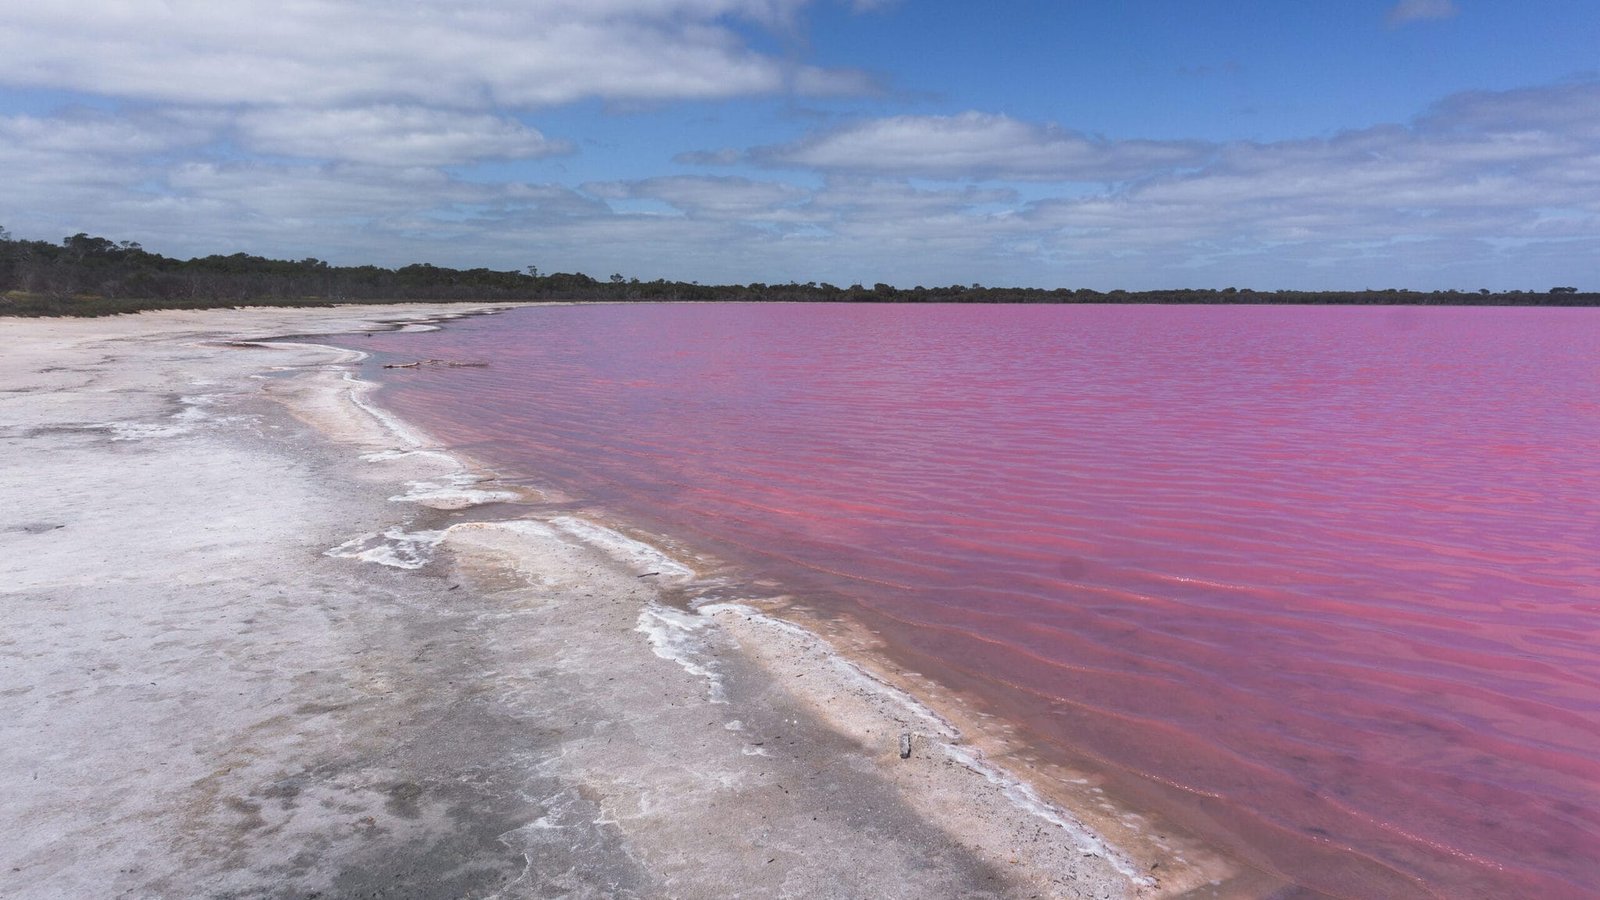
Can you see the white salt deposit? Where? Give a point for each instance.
(140, 431)
(184, 421)
(1025, 798)
(394, 547)
(456, 495)
(357, 394)
(389, 455)
(636, 554)
(852, 674)
(676, 635)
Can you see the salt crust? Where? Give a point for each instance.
(677, 636)
(195, 414)
(393, 547)
(630, 552)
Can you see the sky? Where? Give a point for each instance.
(1144, 144)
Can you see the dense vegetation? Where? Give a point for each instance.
(90, 276)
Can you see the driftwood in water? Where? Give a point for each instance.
(447, 363)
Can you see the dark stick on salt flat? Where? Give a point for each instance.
(446, 363)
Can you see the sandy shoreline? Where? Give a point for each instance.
(259, 638)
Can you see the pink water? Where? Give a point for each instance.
(1321, 583)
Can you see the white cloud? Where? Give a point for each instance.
(93, 133)
(393, 135)
(505, 53)
(1566, 109)
(977, 145)
(1500, 191)
(1512, 151)
(1421, 10)
(328, 195)
(724, 197)
(858, 198)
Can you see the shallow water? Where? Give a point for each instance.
(1318, 582)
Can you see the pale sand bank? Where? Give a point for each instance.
(260, 639)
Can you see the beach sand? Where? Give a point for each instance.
(259, 639)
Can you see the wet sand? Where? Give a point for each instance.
(259, 639)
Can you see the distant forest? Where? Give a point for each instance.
(91, 276)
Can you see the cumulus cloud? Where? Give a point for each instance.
(1421, 10)
(507, 53)
(393, 135)
(977, 145)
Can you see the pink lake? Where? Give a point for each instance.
(1321, 584)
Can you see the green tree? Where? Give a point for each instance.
(82, 246)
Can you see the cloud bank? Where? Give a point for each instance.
(978, 145)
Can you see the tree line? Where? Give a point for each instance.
(87, 276)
